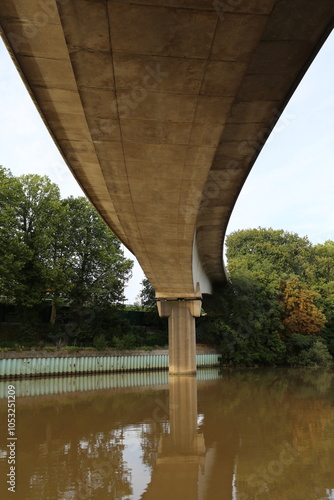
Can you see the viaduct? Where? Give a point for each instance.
(160, 108)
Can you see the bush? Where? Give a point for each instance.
(317, 355)
(100, 342)
(305, 350)
(331, 347)
(128, 341)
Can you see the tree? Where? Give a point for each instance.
(59, 267)
(324, 285)
(58, 249)
(147, 295)
(272, 295)
(273, 250)
(326, 293)
(13, 252)
(301, 315)
(99, 270)
(29, 204)
(324, 262)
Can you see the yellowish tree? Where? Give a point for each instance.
(301, 315)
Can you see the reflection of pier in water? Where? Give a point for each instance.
(184, 465)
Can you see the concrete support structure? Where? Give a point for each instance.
(181, 333)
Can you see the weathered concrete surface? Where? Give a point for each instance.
(181, 334)
(160, 108)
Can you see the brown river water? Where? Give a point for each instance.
(245, 434)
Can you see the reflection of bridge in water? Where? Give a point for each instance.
(181, 459)
(184, 469)
(160, 109)
(266, 433)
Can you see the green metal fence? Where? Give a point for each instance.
(31, 367)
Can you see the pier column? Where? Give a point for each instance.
(181, 333)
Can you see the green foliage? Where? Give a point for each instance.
(28, 206)
(278, 250)
(100, 342)
(127, 341)
(56, 251)
(326, 302)
(147, 296)
(280, 296)
(303, 350)
(98, 268)
(319, 354)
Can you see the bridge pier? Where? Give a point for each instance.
(181, 333)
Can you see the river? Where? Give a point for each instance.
(243, 435)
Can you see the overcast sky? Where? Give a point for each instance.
(290, 187)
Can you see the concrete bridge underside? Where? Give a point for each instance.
(160, 108)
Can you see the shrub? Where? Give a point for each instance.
(305, 350)
(128, 341)
(100, 342)
(318, 355)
